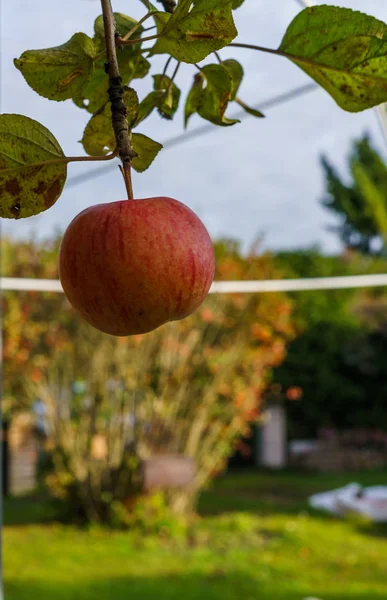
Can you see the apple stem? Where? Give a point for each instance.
(115, 91)
(127, 175)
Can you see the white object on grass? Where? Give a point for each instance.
(370, 502)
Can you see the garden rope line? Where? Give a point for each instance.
(228, 287)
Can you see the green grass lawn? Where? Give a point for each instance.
(255, 540)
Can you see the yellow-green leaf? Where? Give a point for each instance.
(344, 51)
(169, 101)
(235, 70)
(139, 68)
(59, 73)
(123, 25)
(28, 190)
(148, 104)
(191, 35)
(193, 98)
(98, 138)
(131, 63)
(146, 149)
(130, 100)
(161, 20)
(95, 94)
(216, 95)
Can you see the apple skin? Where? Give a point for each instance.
(130, 266)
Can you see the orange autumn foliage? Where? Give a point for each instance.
(249, 330)
(33, 322)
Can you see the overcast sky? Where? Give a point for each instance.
(261, 177)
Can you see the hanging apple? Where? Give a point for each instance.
(130, 266)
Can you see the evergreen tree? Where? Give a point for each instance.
(362, 205)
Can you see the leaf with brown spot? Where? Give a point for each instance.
(62, 72)
(235, 70)
(193, 32)
(28, 190)
(213, 100)
(343, 51)
(194, 97)
(169, 100)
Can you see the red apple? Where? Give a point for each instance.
(130, 266)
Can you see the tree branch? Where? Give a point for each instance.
(115, 91)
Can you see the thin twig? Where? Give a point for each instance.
(128, 35)
(172, 78)
(167, 65)
(91, 158)
(62, 160)
(175, 72)
(259, 48)
(123, 42)
(293, 57)
(164, 73)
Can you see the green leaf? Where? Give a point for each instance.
(216, 95)
(237, 3)
(191, 35)
(252, 111)
(146, 149)
(130, 100)
(95, 94)
(169, 101)
(161, 18)
(140, 68)
(146, 107)
(123, 25)
(131, 63)
(235, 70)
(24, 190)
(59, 73)
(344, 51)
(148, 5)
(98, 138)
(194, 97)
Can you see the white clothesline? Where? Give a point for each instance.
(227, 287)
